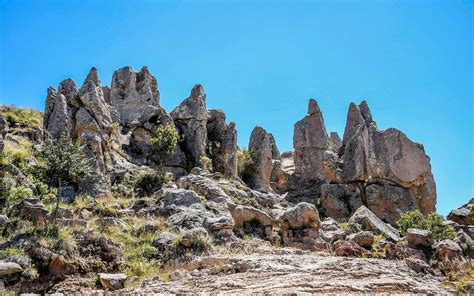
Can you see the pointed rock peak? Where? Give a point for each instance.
(365, 112)
(52, 91)
(198, 91)
(144, 70)
(93, 77)
(313, 107)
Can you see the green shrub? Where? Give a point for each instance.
(433, 222)
(147, 183)
(166, 139)
(18, 193)
(413, 219)
(245, 162)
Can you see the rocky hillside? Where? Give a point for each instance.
(111, 192)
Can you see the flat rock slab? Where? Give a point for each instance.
(299, 274)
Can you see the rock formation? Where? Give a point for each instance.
(263, 149)
(382, 170)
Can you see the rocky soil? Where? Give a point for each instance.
(291, 272)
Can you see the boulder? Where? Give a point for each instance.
(419, 237)
(302, 215)
(463, 215)
(202, 185)
(450, 256)
(132, 93)
(465, 242)
(112, 281)
(418, 265)
(164, 240)
(364, 239)
(253, 221)
(8, 268)
(370, 221)
(347, 249)
(30, 209)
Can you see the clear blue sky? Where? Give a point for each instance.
(260, 61)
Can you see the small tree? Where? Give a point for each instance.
(64, 161)
(166, 139)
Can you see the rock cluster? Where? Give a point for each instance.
(115, 124)
(382, 170)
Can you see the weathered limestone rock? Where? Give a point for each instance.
(310, 140)
(55, 114)
(31, 210)
(419, 237)
(262, 147)
(301, 215)
(131, 93)
(450, 256)
(190, 118)
(364, 239)
(370, 221)
(463, 215)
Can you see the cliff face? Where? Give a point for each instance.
(383, 170)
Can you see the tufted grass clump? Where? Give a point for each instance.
(148, 182)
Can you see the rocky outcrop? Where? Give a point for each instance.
(396, 170)
(190, 118)
(463, 215)
(222, 143)
(132, 93)
(310, 140)
(263, 149)
(55, 114)
(371, 222)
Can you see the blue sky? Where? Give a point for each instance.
(261, 61)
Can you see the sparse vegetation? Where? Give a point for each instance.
(245, 162)
(433, 222)
(22, 116)
(206, 163)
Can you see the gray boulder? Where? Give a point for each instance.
(419, 237)
(112, 281)
(463, 215)
(55, 114)
(370, 221)
(8, 268)
(364, 239)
